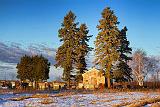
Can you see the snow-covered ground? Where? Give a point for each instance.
(76, 100)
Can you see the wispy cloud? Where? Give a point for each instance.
(10, 54)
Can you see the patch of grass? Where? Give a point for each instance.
(40, 96)
(20, 98)
(156, 105)
(27, 97)
(136, 103)
(122, 104)
(82, 105)
(47, 101)
(63, 94)
(109, 100)
(93, 101)
(145, 102)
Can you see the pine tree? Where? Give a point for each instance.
(65, 55)
(82, 50)
(34, 68)
(25, 68)
(107, 42)
(124, 48)
(41, 68)
(122, 71)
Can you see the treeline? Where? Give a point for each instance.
(113, 55)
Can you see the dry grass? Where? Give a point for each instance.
(93, 102)
(40, 96)
(63, 94)
(20, 98)
(47, 101)
(145, 102)
(122, 104)
(156, 105)
(27, 97)
(101, 101)
(66, 94)
(109, 100)
(82, 105)
(139, 103)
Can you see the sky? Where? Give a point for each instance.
(27, 22)
(38, 21)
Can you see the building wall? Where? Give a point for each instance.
(92, 79)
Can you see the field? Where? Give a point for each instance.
(72, 99)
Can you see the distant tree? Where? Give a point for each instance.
(139, 66)
(107, 42)
(65, 55)
(34, 68)
(82, 50)
(25, 68)
(41, 68)
(152, 67)
(122, 71)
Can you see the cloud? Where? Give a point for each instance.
(55, 73)
(12, 52)
(7, 70)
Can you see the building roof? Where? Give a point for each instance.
(92, 70)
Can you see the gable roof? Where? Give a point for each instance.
(91, 71)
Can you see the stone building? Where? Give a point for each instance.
(92, 79)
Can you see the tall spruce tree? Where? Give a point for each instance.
(122, 71)
(82, 50)
(107, 42)
(65, 55)
(124, 48)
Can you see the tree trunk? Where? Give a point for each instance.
(141, 83)
(36, 85)
(108, 79)
(68, 83)
(109, 82)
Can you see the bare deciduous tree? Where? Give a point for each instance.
(138, 65)
(153, 67)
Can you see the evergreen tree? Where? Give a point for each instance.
(65, 55)
(25, 68)
(82, 50)
(34, 68)
(124, 48)
(107, 42)
(41, 68)
(122, 71)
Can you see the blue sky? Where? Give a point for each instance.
(38, 21)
